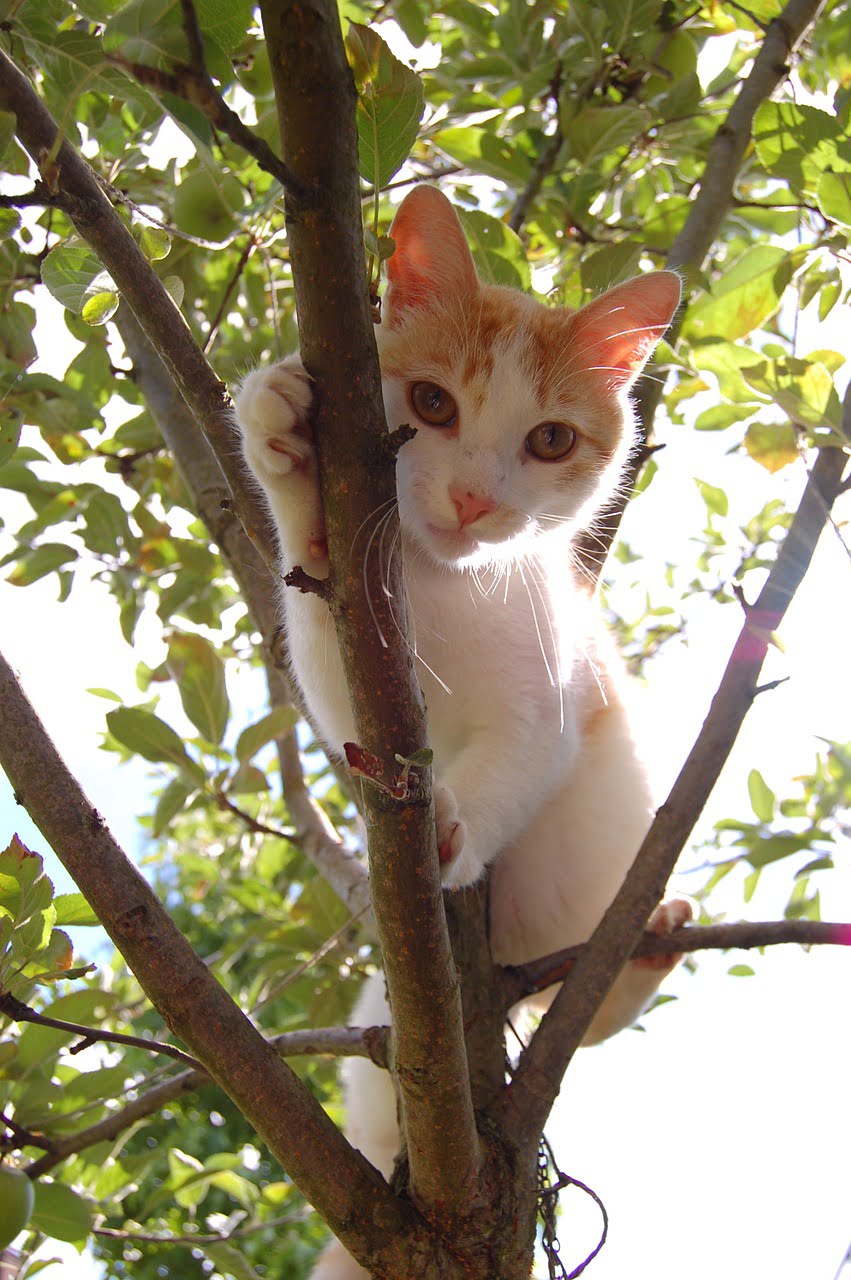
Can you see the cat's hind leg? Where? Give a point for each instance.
(638, 981)
(272, 412)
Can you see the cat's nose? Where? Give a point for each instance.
(469, 506)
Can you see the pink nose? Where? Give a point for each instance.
(469, 506)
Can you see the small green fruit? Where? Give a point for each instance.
(16, 1204)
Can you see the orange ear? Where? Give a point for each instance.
(616, 333)
(431, 258)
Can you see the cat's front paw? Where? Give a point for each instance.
(459, 865)
(272, 411)
(667, 917)
(272, 407)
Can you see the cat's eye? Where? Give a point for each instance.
(550, 441)
(432, 404)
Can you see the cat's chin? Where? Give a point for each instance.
(461, 549)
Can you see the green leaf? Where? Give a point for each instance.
(230, 1261)
(59, 1212)
(497, 250)
(155, 243)
(143, 732)
(481, 150)
(8, 125)
(390, 105)
(40, 561)
(747, 294)
(74, 276)
(834, 197)
(277, 722)
(72, 909)
(761, 796)
(170, 801)
(200, 676)
(717, 502)
(596, 132)
(804, 389)
(740, 971)
(100, 307)
(10, 435)
(799, 143)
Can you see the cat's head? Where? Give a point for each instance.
(522, 412)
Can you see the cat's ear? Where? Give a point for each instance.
(616, 333)
(431, 259)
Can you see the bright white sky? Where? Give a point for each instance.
(719, 1140)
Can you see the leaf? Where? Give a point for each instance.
(390, 105)
(200, 676)
(834, 197)
(230, 1261)
(155, 243)
(59, 1212)
(39, 562)
(772, 444)
(747, 294)
(171, 800)
(143, 732)
(74, 276)
(596, 132)
(277, 722)
(481, 150)
(762, 798)
(740, 971)
(10, 435)
(799, 143)
(804, 390)
(72, 909)
(497, 250)
(717, 502)
(100, 307)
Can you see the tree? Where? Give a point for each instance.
(592, 126)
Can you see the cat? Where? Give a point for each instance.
(523, 427)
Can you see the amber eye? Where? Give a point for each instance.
(550, 441)
(434, 405)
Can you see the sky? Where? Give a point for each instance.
(718, 1139)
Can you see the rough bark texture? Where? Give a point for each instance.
(352, 1197)
(316, 103)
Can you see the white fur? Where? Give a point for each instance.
(536, 765)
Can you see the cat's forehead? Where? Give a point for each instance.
(485, 345)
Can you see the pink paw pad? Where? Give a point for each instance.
(666, 918)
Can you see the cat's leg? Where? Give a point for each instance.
(272, 411)
(371, 1120)
(639, 980)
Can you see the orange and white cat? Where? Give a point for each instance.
(523, 428)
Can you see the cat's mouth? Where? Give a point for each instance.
(458, 542)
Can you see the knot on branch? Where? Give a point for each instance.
(310, 586)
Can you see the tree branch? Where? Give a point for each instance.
(202, 475)
(349, 1042)
(344, 1187)
(316, 106)
(536, 1082)
(537, 975)
(701, 227)
(20, 1012)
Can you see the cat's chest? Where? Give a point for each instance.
(484, 644)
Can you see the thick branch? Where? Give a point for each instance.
(700, 230)
(537, 1080)
(316, 104)
(348, 1192)
(79, 193)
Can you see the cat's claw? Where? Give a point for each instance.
(667, 917)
